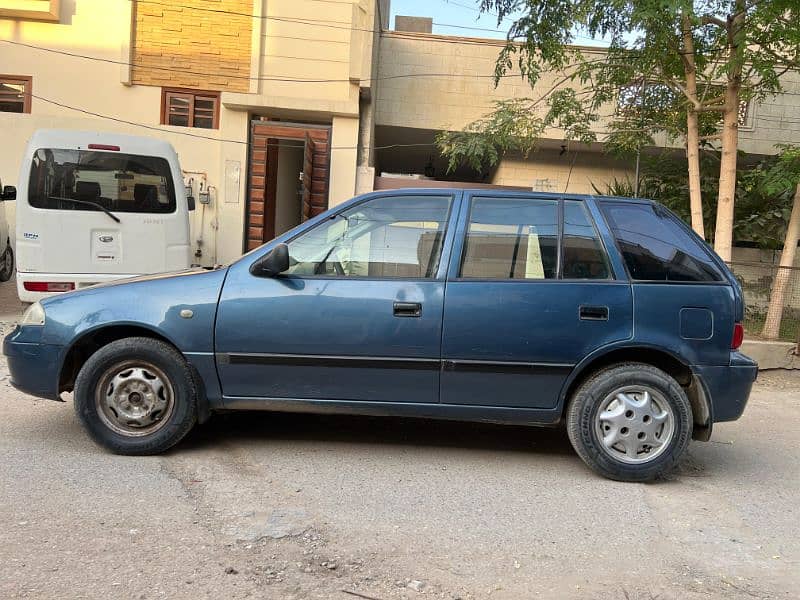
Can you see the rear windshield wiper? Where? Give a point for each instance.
(87, 203)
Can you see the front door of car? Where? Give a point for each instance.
(530, 292)
(357, 316)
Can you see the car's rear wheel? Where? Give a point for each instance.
(136, 396)
(630, 422)
(7, 264)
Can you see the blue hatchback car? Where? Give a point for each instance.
(607, 314)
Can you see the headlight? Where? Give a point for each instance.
(34, 315)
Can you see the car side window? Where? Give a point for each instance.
(393, 236)
(583, 254)
(655, 246)
(511, 238)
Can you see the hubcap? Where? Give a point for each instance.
(634, 424)
(134, 398)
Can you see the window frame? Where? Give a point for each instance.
(27, 83)
(192, 96)
(559, 278)
(710, 255)
(444, 256)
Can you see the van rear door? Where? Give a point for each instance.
(102, 211)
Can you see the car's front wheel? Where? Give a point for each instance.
(630, 422)
(136, 396)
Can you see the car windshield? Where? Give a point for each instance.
(100, 181)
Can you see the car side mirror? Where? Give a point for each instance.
(273, 263)
(190, 201)
(9, 193)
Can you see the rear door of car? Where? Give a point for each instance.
(531, 291)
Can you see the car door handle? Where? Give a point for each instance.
(407, 309)
(593, 313)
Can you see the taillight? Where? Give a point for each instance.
(49, 286)
(738, 336)
(104, 147)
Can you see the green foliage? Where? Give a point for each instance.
(784, 172)
(642, 77)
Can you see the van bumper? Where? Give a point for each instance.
(34, 367)
(728, 388)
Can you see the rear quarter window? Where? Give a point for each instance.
(655, 246)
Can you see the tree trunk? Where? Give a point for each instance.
(723, 233)
(772, 325)
(692, 130)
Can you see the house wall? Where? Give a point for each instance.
(170, 40)
(465, 91)
(550, 171)
(277, 49)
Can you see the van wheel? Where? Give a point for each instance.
(7, 264)
(136, 396)
(630, 422)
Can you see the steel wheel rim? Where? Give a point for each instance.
(134, 398)
(634, 424)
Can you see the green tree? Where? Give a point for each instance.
(679, 67)
(784, 174)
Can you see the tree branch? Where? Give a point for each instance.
(712, 20)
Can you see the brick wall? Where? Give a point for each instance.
(170, 40)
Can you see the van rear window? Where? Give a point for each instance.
(90, 181)
(655, 245)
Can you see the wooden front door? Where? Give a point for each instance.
(264, 139)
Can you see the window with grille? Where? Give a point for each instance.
(15, 93)
(186, 108)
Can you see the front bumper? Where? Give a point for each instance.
(34, 367)
(728, 388)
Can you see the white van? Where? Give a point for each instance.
(7, 194)
(93, 207)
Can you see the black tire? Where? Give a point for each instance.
(99, 421)
(582, 422)
(7, 270)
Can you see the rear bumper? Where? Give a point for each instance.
(79, 280)
(34, 367)
(728, 388)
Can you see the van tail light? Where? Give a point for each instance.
(738, 336)
(103, 147)
(49, 286)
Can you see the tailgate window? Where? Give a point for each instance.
(655, 246)
(90, 181)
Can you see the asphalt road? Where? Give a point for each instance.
(298, 506)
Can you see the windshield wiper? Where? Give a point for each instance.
(87, 203)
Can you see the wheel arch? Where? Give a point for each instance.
(92, 340)
(660, 358)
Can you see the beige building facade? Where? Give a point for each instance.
(241, 88)
(279, 109)
(414, 110)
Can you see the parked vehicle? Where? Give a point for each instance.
(95, 207)
(606, 313)
(7, 194)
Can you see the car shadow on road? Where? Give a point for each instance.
(266, 426)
